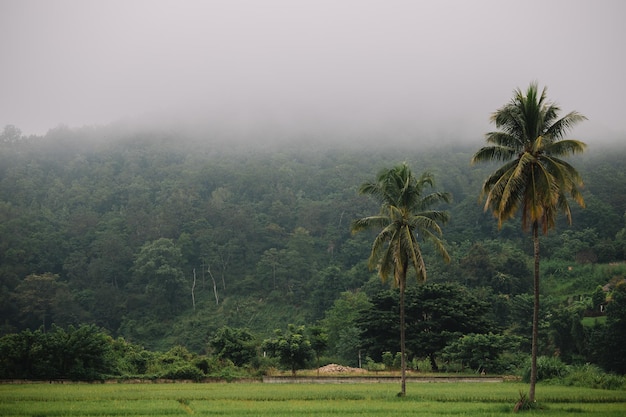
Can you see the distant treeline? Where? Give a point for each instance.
(163, 240)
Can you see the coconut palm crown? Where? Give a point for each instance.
(405, 214)
(534, 176)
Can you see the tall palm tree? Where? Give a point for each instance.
(534, 177)
(405, 218)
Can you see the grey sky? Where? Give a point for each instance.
(439, 67)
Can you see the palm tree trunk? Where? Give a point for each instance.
(402, 342)
(535, 337)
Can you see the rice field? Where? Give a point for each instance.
(257, 399)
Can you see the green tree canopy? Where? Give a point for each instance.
(293, 348)
(234, 344)
(436, 315)
(158, 275)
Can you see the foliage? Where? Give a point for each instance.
(591, 376)
(531, 142)
(158, 277)
(548, 367)
(614, 346)
(293, 348)
(482, 352)
(524, 403)
(185, 371)
(80, 204)
(552, 370)
(236, 345)
(83, 353)
(43, 300)
(437, 315)
(343, 329)
(319, 341)
(497, 265)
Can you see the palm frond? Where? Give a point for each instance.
(564, 207)
(370, 222)
(425, 179)
(413, 253)
(422, 222)
(404, 210)
(434, 199)
(565, 147)
(504, 139)
(493, 153)
(513, 187)
(561, 127)
(569, 178)
(438, 243)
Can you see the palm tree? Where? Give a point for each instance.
(404, 218)
(534, 177)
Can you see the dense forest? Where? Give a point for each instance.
(165, 238)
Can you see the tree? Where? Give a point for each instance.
(481, 352)
(79, 353)
(42, 300)
(293, 348)
(319, 342)
(534, 177)
(236, 345)
(10, 135)
(342, 328)
(157, 269)
(405, 218)
(614, 350)
(477, 266)
(437, 314)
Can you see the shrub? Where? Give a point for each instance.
(373, 366)
(387, 358)
(184, 371)
(591, 376)
(547, 368)
(483, 352)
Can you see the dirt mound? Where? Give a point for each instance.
(339, 369)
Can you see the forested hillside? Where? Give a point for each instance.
(165, 237)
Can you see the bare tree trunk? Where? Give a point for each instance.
(535, 337)
(217, 300)
(193, 287)
(225, 262)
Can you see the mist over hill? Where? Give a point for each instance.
(267, 220)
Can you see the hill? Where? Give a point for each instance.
(164, 237)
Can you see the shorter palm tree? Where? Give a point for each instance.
(405, 218)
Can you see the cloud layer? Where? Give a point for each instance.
(440, 67)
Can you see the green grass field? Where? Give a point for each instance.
(257, 399)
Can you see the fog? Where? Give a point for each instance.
(419, 69)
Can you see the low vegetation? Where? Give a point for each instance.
(255, 399)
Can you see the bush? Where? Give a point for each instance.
(585, 376)
(387, 358)
(373, 366)
(547, 368)
(483, 352)
(185, 371)
(591, 376)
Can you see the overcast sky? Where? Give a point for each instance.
(439, 67)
